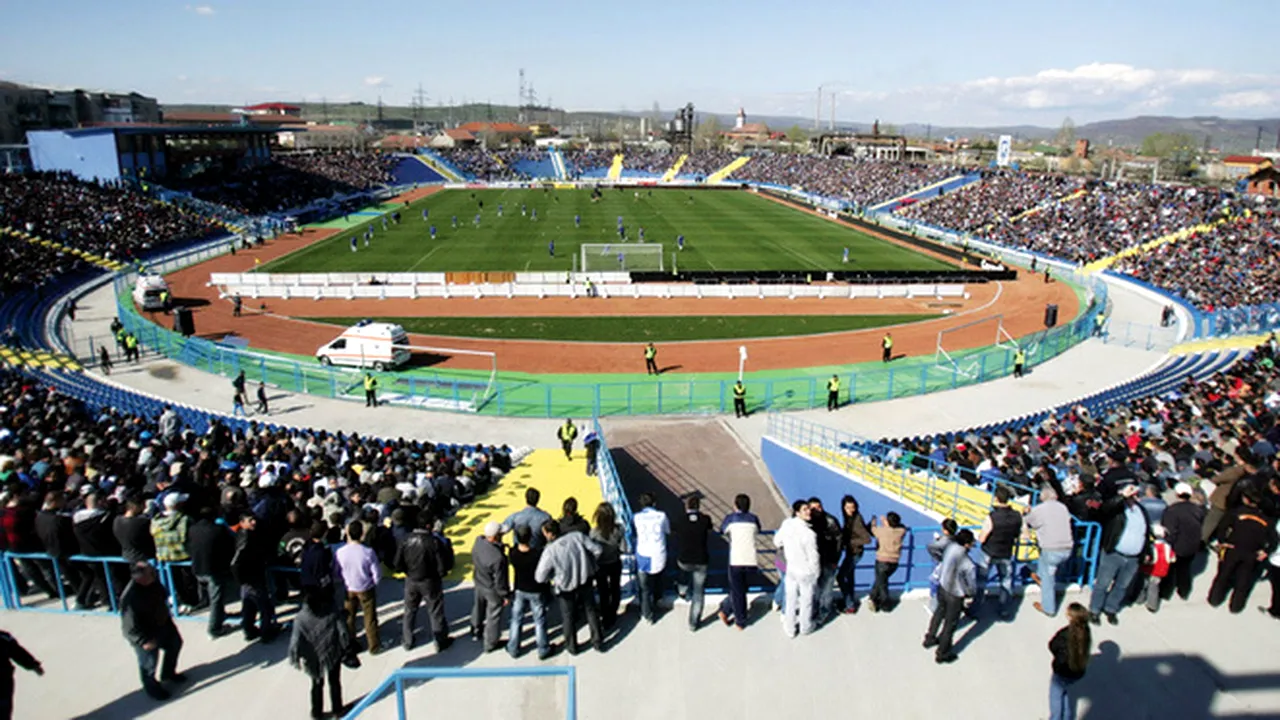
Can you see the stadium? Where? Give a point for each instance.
(917, 367)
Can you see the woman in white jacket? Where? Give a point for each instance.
(803, 568)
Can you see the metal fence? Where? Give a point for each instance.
(460, 391)
(946, 488)
(398, 679)
(1245, 320)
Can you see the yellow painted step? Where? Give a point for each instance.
(674, 170)
(615, 170)
(724, 172)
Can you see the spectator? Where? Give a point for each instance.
(742, 528)
(524, 560)
(149, 628)
(652, 529)
(889, 536)
(357, 565)
(492, 592)
(803, 568)
(692, 531)
(318, 647)
(609, 534)
(570, 561)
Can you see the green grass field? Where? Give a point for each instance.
(723, 230)
(637, 328)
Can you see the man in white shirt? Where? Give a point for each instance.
(803, 568)
(652, 529)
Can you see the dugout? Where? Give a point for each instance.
(150, 152)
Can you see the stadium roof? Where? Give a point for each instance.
(282, 107)
(1245, 160)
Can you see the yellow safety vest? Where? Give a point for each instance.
(370, 382)
(650, 352)
(888, 343)
(739, 391)
(130, 341)
(1019, 357)
(833, 385)
(568, 432)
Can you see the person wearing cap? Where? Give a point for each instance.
(1183, 522)
(149, 628)
(492, 591)
(1126, 540)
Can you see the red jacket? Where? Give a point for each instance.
(1161, 557)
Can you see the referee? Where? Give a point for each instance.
(833, 393)
(886, 348)
(739, 400)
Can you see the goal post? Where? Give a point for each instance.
(447, 393)
(622, 257)
(947, 356)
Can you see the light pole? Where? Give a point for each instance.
(742, 360)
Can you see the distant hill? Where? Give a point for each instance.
(1227, 134)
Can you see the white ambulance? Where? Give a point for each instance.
(367, 344)
(149, 292)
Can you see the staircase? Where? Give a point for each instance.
(557, 162)
(441, 166)
(615, 170)
(674, 170)
(87, 257)
(723, 173)
(928, 192)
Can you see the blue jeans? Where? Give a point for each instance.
(692, 585)
(1050, 561)
(1115, 574)
(214, 589)
(1061, 705)
(780, 592)
(538, 609)
(826, 583)
(1004, 580)
(168, 641)
(650, 590)
(256, 600)
(734, 604)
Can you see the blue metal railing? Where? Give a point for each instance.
(611, 487)
(398, 678)
(942, 482)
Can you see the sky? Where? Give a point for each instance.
(931, 61)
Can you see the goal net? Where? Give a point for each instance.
(949, 355)
(621, 257)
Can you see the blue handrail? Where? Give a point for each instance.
(397, 680)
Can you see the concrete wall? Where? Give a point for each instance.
(88, 156)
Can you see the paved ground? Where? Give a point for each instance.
(1186, 662)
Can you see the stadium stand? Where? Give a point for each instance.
(292, 181)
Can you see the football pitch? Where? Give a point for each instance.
(723, 230)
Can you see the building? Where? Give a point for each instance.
(453, 138)
(149, 152)
(1264, 182)
(745, 134)
(499, 134)
(1240, 166)
(24, 108)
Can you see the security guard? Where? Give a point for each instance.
(1019, 360)
(566, 434)
(131, 346)
(739, 399)
(164, 299)
(370, 390)
(833, 393)
(886, 347)
(118, 329)
(1098, 322)
(651, 360)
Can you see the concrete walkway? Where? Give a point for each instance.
(1188, 661)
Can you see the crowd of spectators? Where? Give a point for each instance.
(860, 182)
(112, 221)
(493, 165)
(653, 162)
(998, 197)
(703, 163)
(291, 182)
(1109, 218)
(1235, 263)
(580, 162)
(1188, 435)
(63, 464)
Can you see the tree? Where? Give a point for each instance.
(888, 129)
(1066, 137)
(707, 134)
(798, 137)
(1166, 145)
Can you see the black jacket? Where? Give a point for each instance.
(827, 529)
(134, 536)
(93, 534)
(56, 534)
(249, 564)
(419, 557)
(1246, 530)
(144, 612)
(211, 547)
(1182, 524)
(1112, 517)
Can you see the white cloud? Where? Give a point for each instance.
(180, 78)
(204, 10)
(1089, 92)
(376, 81)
